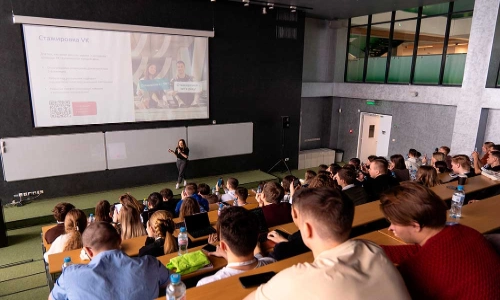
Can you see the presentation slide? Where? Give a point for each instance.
(83, 76)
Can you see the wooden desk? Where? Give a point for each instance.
(381, 238)
(473, 184)
(217, 262)
(367, 213)
(130, 247)
(213, 215)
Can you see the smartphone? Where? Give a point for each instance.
(219, 182)
(451, 187)
(256, 280)
(296, 182)
(259, 189)
(118, 207)
(282, 233)
(209, 248)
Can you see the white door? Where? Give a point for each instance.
(374, 135)
(368, 136)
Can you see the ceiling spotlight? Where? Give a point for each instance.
(246, 4)
(293, 8)
(212, 0)
(270, 5)
(264, 11)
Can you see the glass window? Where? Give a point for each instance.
(381, 18)
(379, 47)
(463, 5)
(402, 51)
(456, 53)
(406, 14)
(356, 55)
(430, 50)
(359, 21)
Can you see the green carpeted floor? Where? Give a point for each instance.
(39, 211)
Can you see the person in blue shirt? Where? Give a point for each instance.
(191, 190)
(110, 274)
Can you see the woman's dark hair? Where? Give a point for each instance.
(183, 142)
(102, 211)
(154, 199)
(399, 161)
(167, 194)
(287, 180)
(441, 166)
(189, 207)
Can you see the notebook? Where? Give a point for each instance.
(198, 225)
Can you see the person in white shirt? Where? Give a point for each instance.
(238, 240)
(342, 268)
(231, 186)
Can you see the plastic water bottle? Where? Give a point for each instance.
(67, 262)
(221, 207)
(176, 290)
(456, 203)
(182, 240)
(91, 218)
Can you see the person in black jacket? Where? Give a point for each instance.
(346, 178)
(379, 181)
(160, 240)
(287, 247)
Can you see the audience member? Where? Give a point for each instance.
(75, 223)
(103, 212)
(342, 268)
(446, 151)
(356, 162)
(413, 163)
(205, 193)
(379, 180)
(275, 211)
(493, 162)
(445, 262)
(346, 179)
(160, 240)
(322, 181)
(285, 183)
(441, 167)
(309, 175)
(241, 196)
(154, 203)
(398, 168)
(437, 156)
(128, 218)
(191, 190)
(238, 238)
(169, 203)
(110, 274)
(59, 211)
(427, 176)
(460, 165)
(365, 166)
(189, 207)
(322, 167)
(480, 162)
(231, 186)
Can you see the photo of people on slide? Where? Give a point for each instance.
(170, 76)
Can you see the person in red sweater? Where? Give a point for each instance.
(275, 211)
(445, 261)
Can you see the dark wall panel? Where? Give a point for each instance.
(253, 78)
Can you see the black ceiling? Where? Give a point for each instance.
(344, 9)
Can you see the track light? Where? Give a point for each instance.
(264, 11)
(270, 5)
(212, 0)
(246, 2)
(293, 8)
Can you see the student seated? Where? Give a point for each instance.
(379, 180)
(191, 190)
(441, 167)
(241, 196)
(74, 224)
(493, 162)
(231, 186)
(168, 203)
(204, 192)
(285, 183)
(128, 218)
(238, 239)
(189, 207)
(460, 166)
(427, 176)
(154, 203)
(160, 240)
(322, 181)
(446, 151)
(308, 176)
(342, 268)
(103, 212)
(444, 261)
(322, 167)
(398, 168)
(480, 162)
(110, 274)
(275, 211)
(346, 179)
(59, 211)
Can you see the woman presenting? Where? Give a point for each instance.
(182, 153)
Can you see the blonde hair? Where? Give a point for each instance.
(427, 176)
(75, 223)
(164, 227)
(189, 207)
(438, 156)
(130, 222)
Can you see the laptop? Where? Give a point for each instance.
(198, 225)
(263, 229)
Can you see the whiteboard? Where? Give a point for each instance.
(220, 140)
(134, 148)
(53, 155)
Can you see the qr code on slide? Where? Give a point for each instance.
(60, 109)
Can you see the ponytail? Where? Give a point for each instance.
(165, 228)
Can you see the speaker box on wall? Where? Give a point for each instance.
(286, 121)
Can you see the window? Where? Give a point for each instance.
(425, 45)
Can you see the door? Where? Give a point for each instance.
(374, 135)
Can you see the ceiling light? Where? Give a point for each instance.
(246, 4)
(293, 8)
(270, 5)
(264, 11)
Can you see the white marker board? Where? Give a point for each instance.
(132, 148)
(53, 155)
(220, 140)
